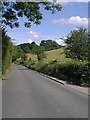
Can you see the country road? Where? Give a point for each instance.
(27, 94)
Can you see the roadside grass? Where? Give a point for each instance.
(4, 76)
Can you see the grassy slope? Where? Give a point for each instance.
(56, 54)
(32, 56)
(52, 55)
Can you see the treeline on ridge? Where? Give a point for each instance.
(45, 45)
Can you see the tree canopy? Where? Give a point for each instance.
(12, 11)
(40, 54)
(6, 51)
(49, 45)
(29, 48)
(17, 53)
(77, 44)
(45, 45)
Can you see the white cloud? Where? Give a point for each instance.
(72, 0)
(60, 42)
(30, 40)
(34, 34)
(74, 20)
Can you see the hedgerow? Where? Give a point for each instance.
(75, 72)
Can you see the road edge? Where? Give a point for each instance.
(78, 88)
(84, 90)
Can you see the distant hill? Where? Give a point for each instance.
(49, 45)
(52, 55)
(45, 45)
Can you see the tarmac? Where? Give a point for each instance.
(85, 90)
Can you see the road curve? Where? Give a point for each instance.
(27, 94)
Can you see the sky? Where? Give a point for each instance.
(53, 26)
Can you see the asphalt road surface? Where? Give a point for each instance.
(27, 94)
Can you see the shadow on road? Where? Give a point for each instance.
(23, 69)
(5, 79)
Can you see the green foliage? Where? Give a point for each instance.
(35, 49)
(29, 48)
(51, 55)
(77, 44)
(27, 63)
(75, 72)
(31, 65)
(17, 53)
(25, 47)
(49, 45)
(12, 11)
(0, 75)
(6, 52)
(40, 54)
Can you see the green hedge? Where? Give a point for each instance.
(75, 72)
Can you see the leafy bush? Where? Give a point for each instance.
(31, 65)
(6, 52)
(75, 72)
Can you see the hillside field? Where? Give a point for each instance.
(51, 55)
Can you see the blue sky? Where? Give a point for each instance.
(53, 26)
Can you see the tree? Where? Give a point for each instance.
(49, 45)
(26, 47)
(29, 48)
(40, 54)
(6, 51)
(34, 48)
(12, 11)
(17, 53)
(77, 44)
